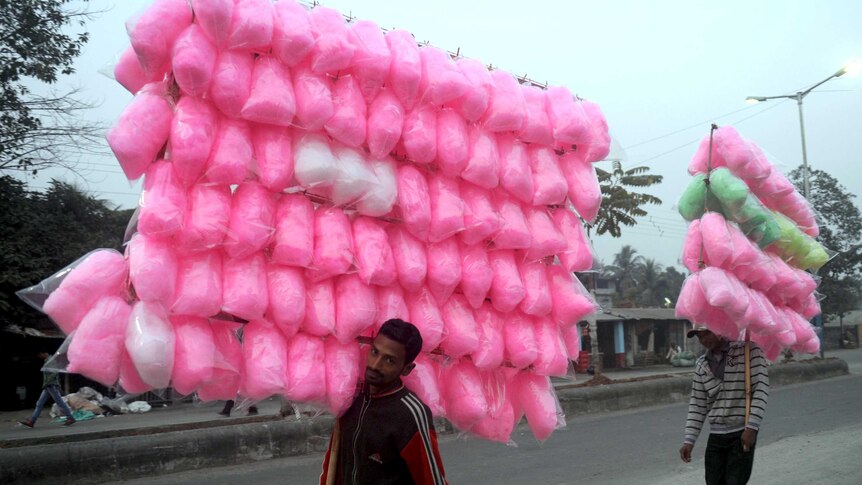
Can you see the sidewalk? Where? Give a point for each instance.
(181, 416)
(186, 436)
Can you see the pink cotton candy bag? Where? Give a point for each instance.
(193, 61)
(152, 268)
(207, 218)
(142, 130)
(97, 347)
(286, 286)
(193, 132)
(444, 268)
(244, 287)
(271, 99)
(199, 284)
(355, 307)
(194, 353)
(252, 217)
(163, 201)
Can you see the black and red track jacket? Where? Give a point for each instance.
(387, 439)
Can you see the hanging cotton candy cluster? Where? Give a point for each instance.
(316, 178)
(748, 245)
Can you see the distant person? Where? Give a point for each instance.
(50, 388)
(387, 435)
(672, 352)
(228, 406)
(718, 395)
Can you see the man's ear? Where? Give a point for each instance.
(407, 368)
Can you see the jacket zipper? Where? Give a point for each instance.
(366, 403)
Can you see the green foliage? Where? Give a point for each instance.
(35, 44)
(840, 230)
(620, 204)
(641, 281)
(40, 233)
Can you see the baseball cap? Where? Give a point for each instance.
(695, 329)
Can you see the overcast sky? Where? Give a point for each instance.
(662, 72)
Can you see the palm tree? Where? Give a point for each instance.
(650, 287)
(623, 270)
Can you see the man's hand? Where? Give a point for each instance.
(685, 452)
(749, 437)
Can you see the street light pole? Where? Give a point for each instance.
(806, 184)
(799, 96)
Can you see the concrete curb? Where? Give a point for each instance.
(123, 457)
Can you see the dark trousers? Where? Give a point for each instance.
(726, 463)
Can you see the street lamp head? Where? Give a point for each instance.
(851, 68)
(754, 99)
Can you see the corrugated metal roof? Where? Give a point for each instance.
(617, 314)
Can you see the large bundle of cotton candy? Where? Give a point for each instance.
(97, 348)
(295, 134)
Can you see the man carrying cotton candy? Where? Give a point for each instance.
(387, 435)
(718, 393)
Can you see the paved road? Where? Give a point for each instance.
(812, 434)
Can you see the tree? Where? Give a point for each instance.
(37, 130)
(620, 205)
(41, 233)
(623, 272)
(840, 230)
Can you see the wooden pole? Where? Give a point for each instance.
(331, 470)
(747, 375)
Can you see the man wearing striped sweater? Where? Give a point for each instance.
(718, 394)
(386, 436)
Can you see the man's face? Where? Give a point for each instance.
(708, 339)
(385, 363)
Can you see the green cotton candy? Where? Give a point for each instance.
(771, 233)
(692, 203)
(816, 257)
(729, 189)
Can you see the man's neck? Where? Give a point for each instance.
(376, 391)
